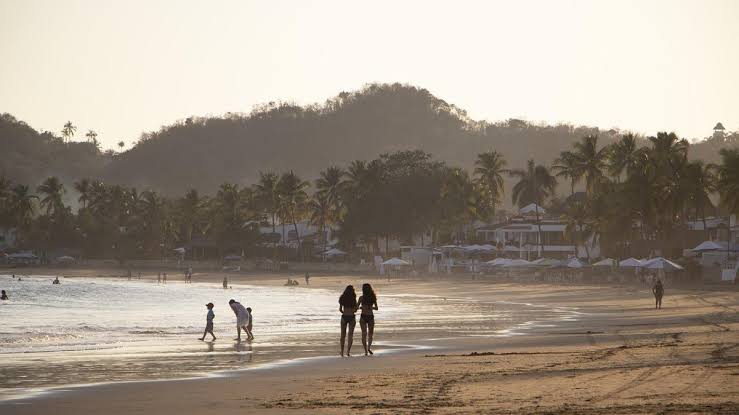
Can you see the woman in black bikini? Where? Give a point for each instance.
(367, 302)
(347, 308)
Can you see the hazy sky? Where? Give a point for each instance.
(124, 67)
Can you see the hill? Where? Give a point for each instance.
(202, 153)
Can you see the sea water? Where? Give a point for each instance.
(87, 330)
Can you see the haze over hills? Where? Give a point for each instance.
(202, 153)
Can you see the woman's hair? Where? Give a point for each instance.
(349, 297)
(368, 295)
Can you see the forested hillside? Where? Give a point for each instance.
(202, 153)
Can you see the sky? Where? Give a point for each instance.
(126, 67)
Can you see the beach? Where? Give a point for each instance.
(580, 349)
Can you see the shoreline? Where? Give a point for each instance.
(618, 341)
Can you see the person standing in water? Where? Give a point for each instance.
(225, 282)
(368, 303)
(658, 290)
(347, 308)
(242, 317)
(307, 279)
(209, 322)
(4, 296)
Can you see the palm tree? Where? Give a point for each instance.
(292, 199)
(623, 156)
(21, 206)
(121, 144)
(68, 131)
(577, 218)
(319, 209)
(267, 195)
(667, 149)
(53, 190)
(5, 198)
(92, 137)
(83, 187)
(489, 169)
(331, 187)
(728, 179)
(699, 181)
(534, 185)
(190, 207)
(591, 161)
(567, 166)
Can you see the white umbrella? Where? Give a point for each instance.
(575, 263)
(65, 258)
(608, 262)
(630, 262)
(396, 262)
(334, 252)
(662, 263)
(545, 262)
(517, 263)
(708, 246)
(180, 251)
(499, 261)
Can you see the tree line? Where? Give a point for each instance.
(631, 191)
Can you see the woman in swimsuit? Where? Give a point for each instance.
(347, 308)
(367, 302)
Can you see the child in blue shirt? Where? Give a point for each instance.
(209, 322)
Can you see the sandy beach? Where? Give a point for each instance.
(618, 355)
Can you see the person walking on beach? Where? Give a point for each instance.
(347, 308)
(367, 302)
(225, 282)
(4, 296)
(307, 279)
(658, 290)
(159, 277)
(242, 317)
(209, 322)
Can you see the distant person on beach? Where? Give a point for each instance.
(242, 317)
(164, 277)
(159, 277)
(249, 335)
(225, 282)
(209, 322)
(56, 280)
(4, 296)
(367, 302)
(307, 279)
(658, 290)
(347, 308)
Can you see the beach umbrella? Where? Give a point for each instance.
(545, 262)
(396, 262)
(575, 263)
(499, 261)
(630, 262)
(517, 263)
(334, 252)
(232, 258)
(180, 251)
(65, 258)
(663, 264)
(708, 246)
(608, 262)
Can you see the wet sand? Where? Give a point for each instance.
(619, 356)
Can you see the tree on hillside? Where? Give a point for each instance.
(68, 131)
(83, 187)
(22, 208)
(623, 156)
(591, 160)
(92, 137)
(267, 195)
(292, 200)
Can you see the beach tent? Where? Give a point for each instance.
(517, 263)
(708, 246)
(608, 262)
(630, 262)
(575, 263)
(396, 262)
(65, 258)
(662, 263)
